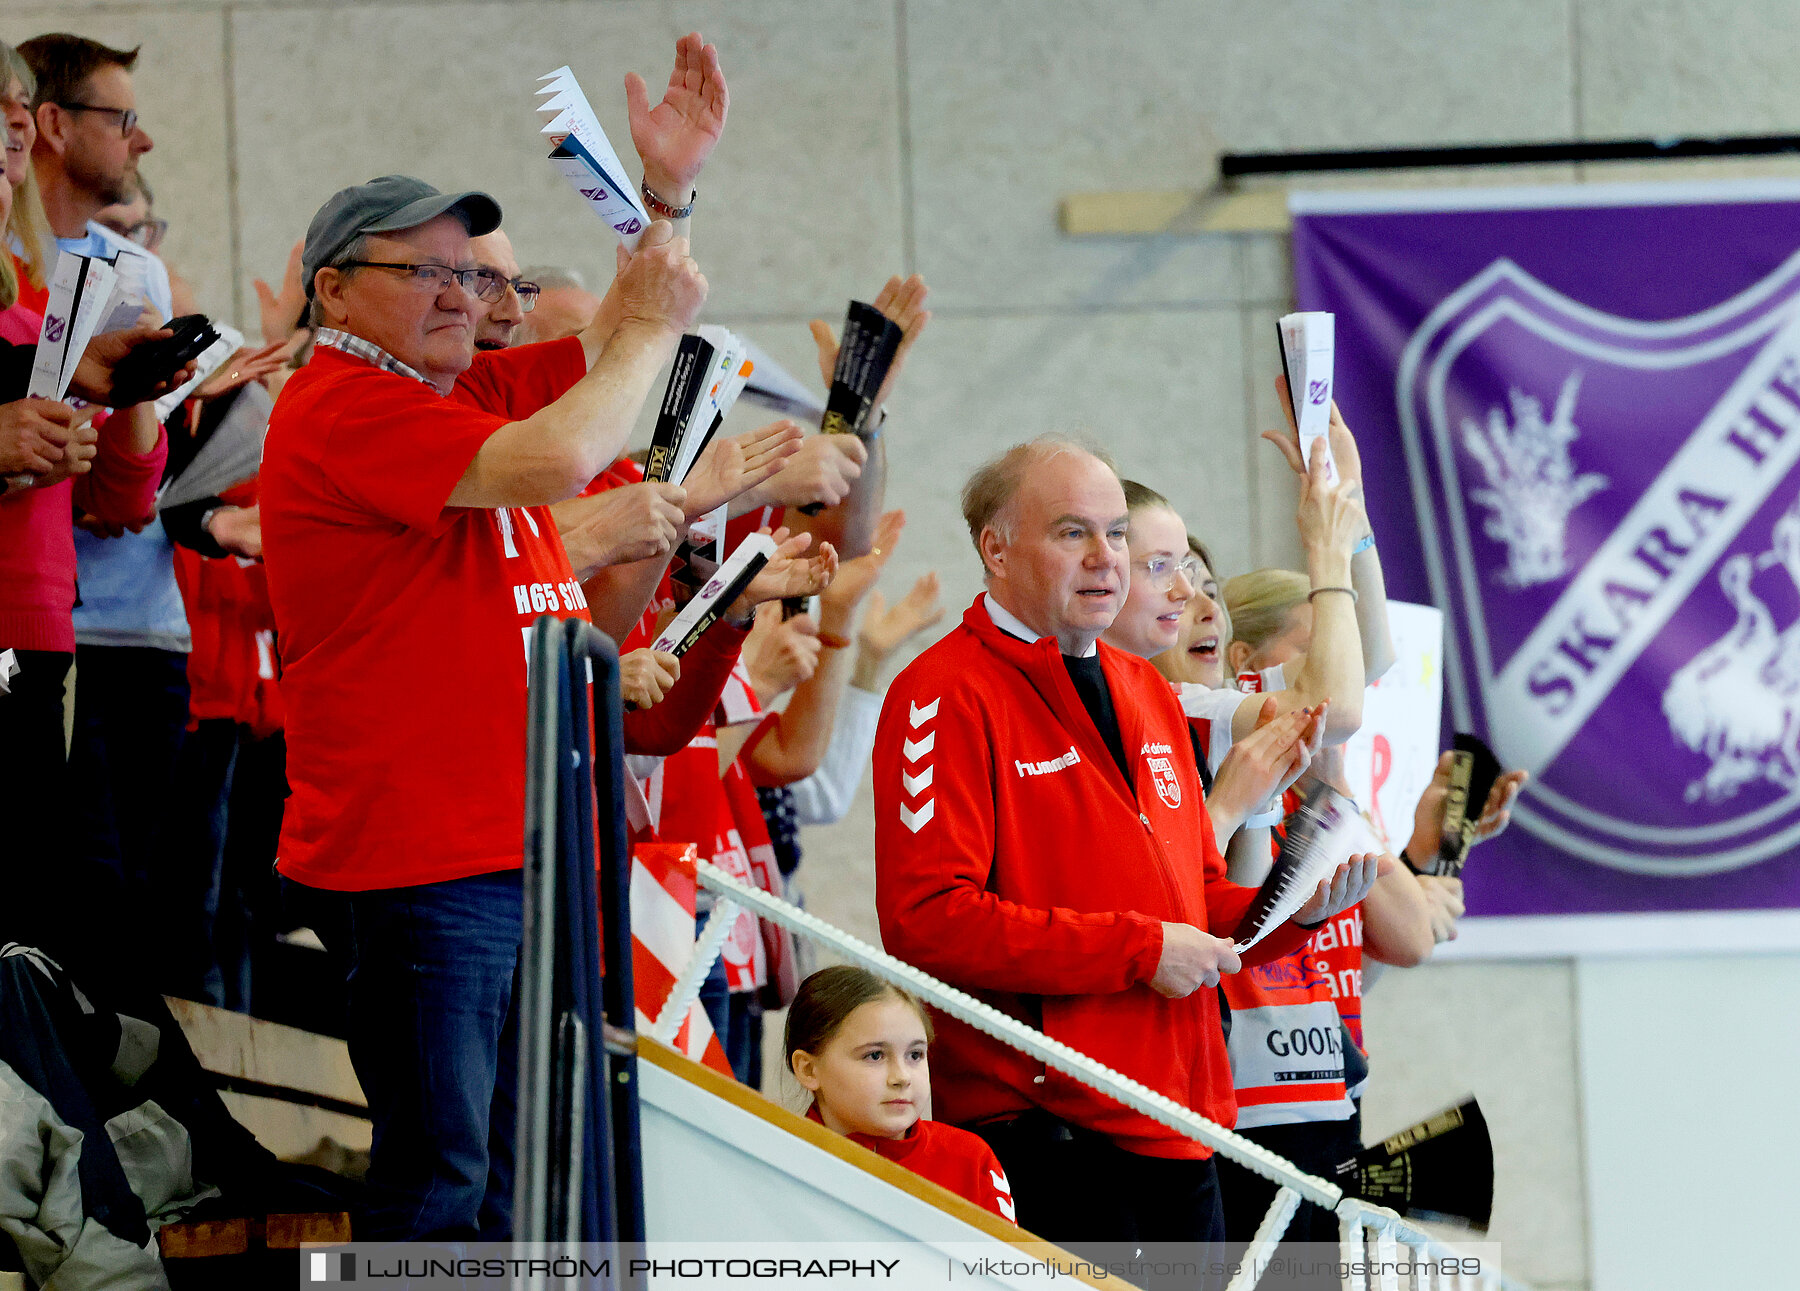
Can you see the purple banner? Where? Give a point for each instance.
(1579, 413)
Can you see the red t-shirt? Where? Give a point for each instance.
(232, 670)
(953, 1159)
(403, 621)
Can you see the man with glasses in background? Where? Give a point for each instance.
(134, 218)
(409, 547)
(496, 329)
(88, 144)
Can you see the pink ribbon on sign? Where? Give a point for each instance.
(1381, 764)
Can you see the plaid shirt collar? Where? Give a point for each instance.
(369, 352)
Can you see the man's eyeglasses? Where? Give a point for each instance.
(527, 293)
(1160, 571)
(128, 117)
(145, 233)
(483, 284)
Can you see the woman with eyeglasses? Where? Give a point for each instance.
(1295, 1099)
(1174, 617)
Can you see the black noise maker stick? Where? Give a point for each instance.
(716, 596)
(1473, 771)
(871, 340)
(675, 421)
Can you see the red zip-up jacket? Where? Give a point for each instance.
(1014, 861)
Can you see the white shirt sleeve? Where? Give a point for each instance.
(1217, 708)
(825, 795)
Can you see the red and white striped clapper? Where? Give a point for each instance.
(663, 883)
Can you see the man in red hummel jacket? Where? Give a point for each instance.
(1041, 842)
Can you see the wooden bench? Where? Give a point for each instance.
(295, 1091)
(298, 1094)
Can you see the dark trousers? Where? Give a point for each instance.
(434, 1039)
(1080, 1190)
(131, 709)
(35, 770)
(218, 889)
(1316, 1147)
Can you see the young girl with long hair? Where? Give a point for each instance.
(858, 1045)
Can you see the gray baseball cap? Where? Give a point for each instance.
(387, 205)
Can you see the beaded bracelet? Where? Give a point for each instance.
(662, 208)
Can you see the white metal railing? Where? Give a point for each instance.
(1360, 1223)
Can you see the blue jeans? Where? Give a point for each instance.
(434, 1040)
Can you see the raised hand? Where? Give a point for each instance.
(646, 675)
(780, 653)
(730, 467)
(789, 573)
(621, 526)
(903, 301)
(1343, 444)
(856, 578)
(660, 284)
(281, 316)
(675, 137)
(884, 629)
(1331, 519)
(1263, 764)
(1348, 885)
(1496, 812)
(822, 472)
(1428, 816)
(247, 365)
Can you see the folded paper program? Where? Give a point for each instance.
(705, 380)
(582, 154)
(81, 289)
(1308, 342)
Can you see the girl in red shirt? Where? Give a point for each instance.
(857, 1044)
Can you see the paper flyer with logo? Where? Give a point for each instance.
(81, 289)
(1575, 408)
(582, 154)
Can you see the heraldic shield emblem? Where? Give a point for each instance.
(1168, 788)
(1610, 514)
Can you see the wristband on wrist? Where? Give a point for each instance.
(1367, 541)
(834, 641)
(1348, 591)
(659, 207)
(1407, 861)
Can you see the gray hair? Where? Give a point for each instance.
(548, 276)
(355, 249)
(988, 496)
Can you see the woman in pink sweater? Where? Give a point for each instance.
(111, 472)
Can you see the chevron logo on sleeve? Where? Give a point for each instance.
(915, 773)
(1003, 1195)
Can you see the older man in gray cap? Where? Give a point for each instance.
(409, 547)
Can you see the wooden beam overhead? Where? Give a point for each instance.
(1151, 212)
